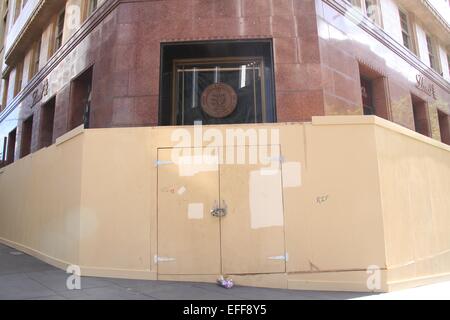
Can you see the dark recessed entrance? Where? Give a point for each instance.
(10, 155)
(27, 134)
(221, 82)
(420, 112)
(374, 92)
(80, 100)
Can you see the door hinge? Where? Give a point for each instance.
(162, 162)
(279, 159)
(282, 258)
(158, 259)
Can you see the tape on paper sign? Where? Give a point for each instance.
(292, 174)
(181, 191)
(195, 211)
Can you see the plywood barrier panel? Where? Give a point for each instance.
(338, 204)
(40, 199)
(188, 235)
(349, 193)
(415, 187)
(115, 200)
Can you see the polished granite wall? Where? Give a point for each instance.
(316, 51)
(347, 51)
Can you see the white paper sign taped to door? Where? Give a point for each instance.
(195, 211)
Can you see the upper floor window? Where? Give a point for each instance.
(89, 7)
(34, 65)
(369, 8)
(17, 9)
(4, 23)
(59, 30)
(19, 4)
(432, 54)
(92, 6)
(407, 33)
(5, 92)
(448, 63)
(19, 79)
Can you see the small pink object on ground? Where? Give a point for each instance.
(226, 283)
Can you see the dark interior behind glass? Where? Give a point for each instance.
(189, 70)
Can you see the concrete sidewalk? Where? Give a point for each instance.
(24, 277)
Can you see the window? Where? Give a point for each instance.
(19, 4)
(19, 78)
(407, 33)
(11, 151)
(17, 9)
(34, 66)
(448, 63)
(432, 54)
(27, 134)
(420, 116)
(5, 23)
(92, 6)
(59, 30)
(5, 92)
(80, 100)
(357, 3)
(369, 8)
(47, 124)
(217, 82)
(373, 11)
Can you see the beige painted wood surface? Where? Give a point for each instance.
(253, 229)
(188, 235)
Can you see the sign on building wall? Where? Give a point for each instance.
(425, 86)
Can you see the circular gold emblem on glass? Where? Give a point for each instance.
(219, 100)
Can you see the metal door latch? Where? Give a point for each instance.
(217, 211)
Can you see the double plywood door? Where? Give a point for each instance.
(219, 217)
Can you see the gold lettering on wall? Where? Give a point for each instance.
(39, 93)
(425, 87)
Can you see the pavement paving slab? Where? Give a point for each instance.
(23, 277)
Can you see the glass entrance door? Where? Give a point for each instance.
(219, 91)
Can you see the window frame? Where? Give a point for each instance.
(5, 24)
(88, 8)
(18, 81)
(5, 91)
(214, 49)
(448, 63)
(58, 36)
(411, 31)
(35, 59)
(18, 8)
(362, 6)
(91, 7)
(433, 53)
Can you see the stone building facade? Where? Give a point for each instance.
(383, 57)
(354, 96)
